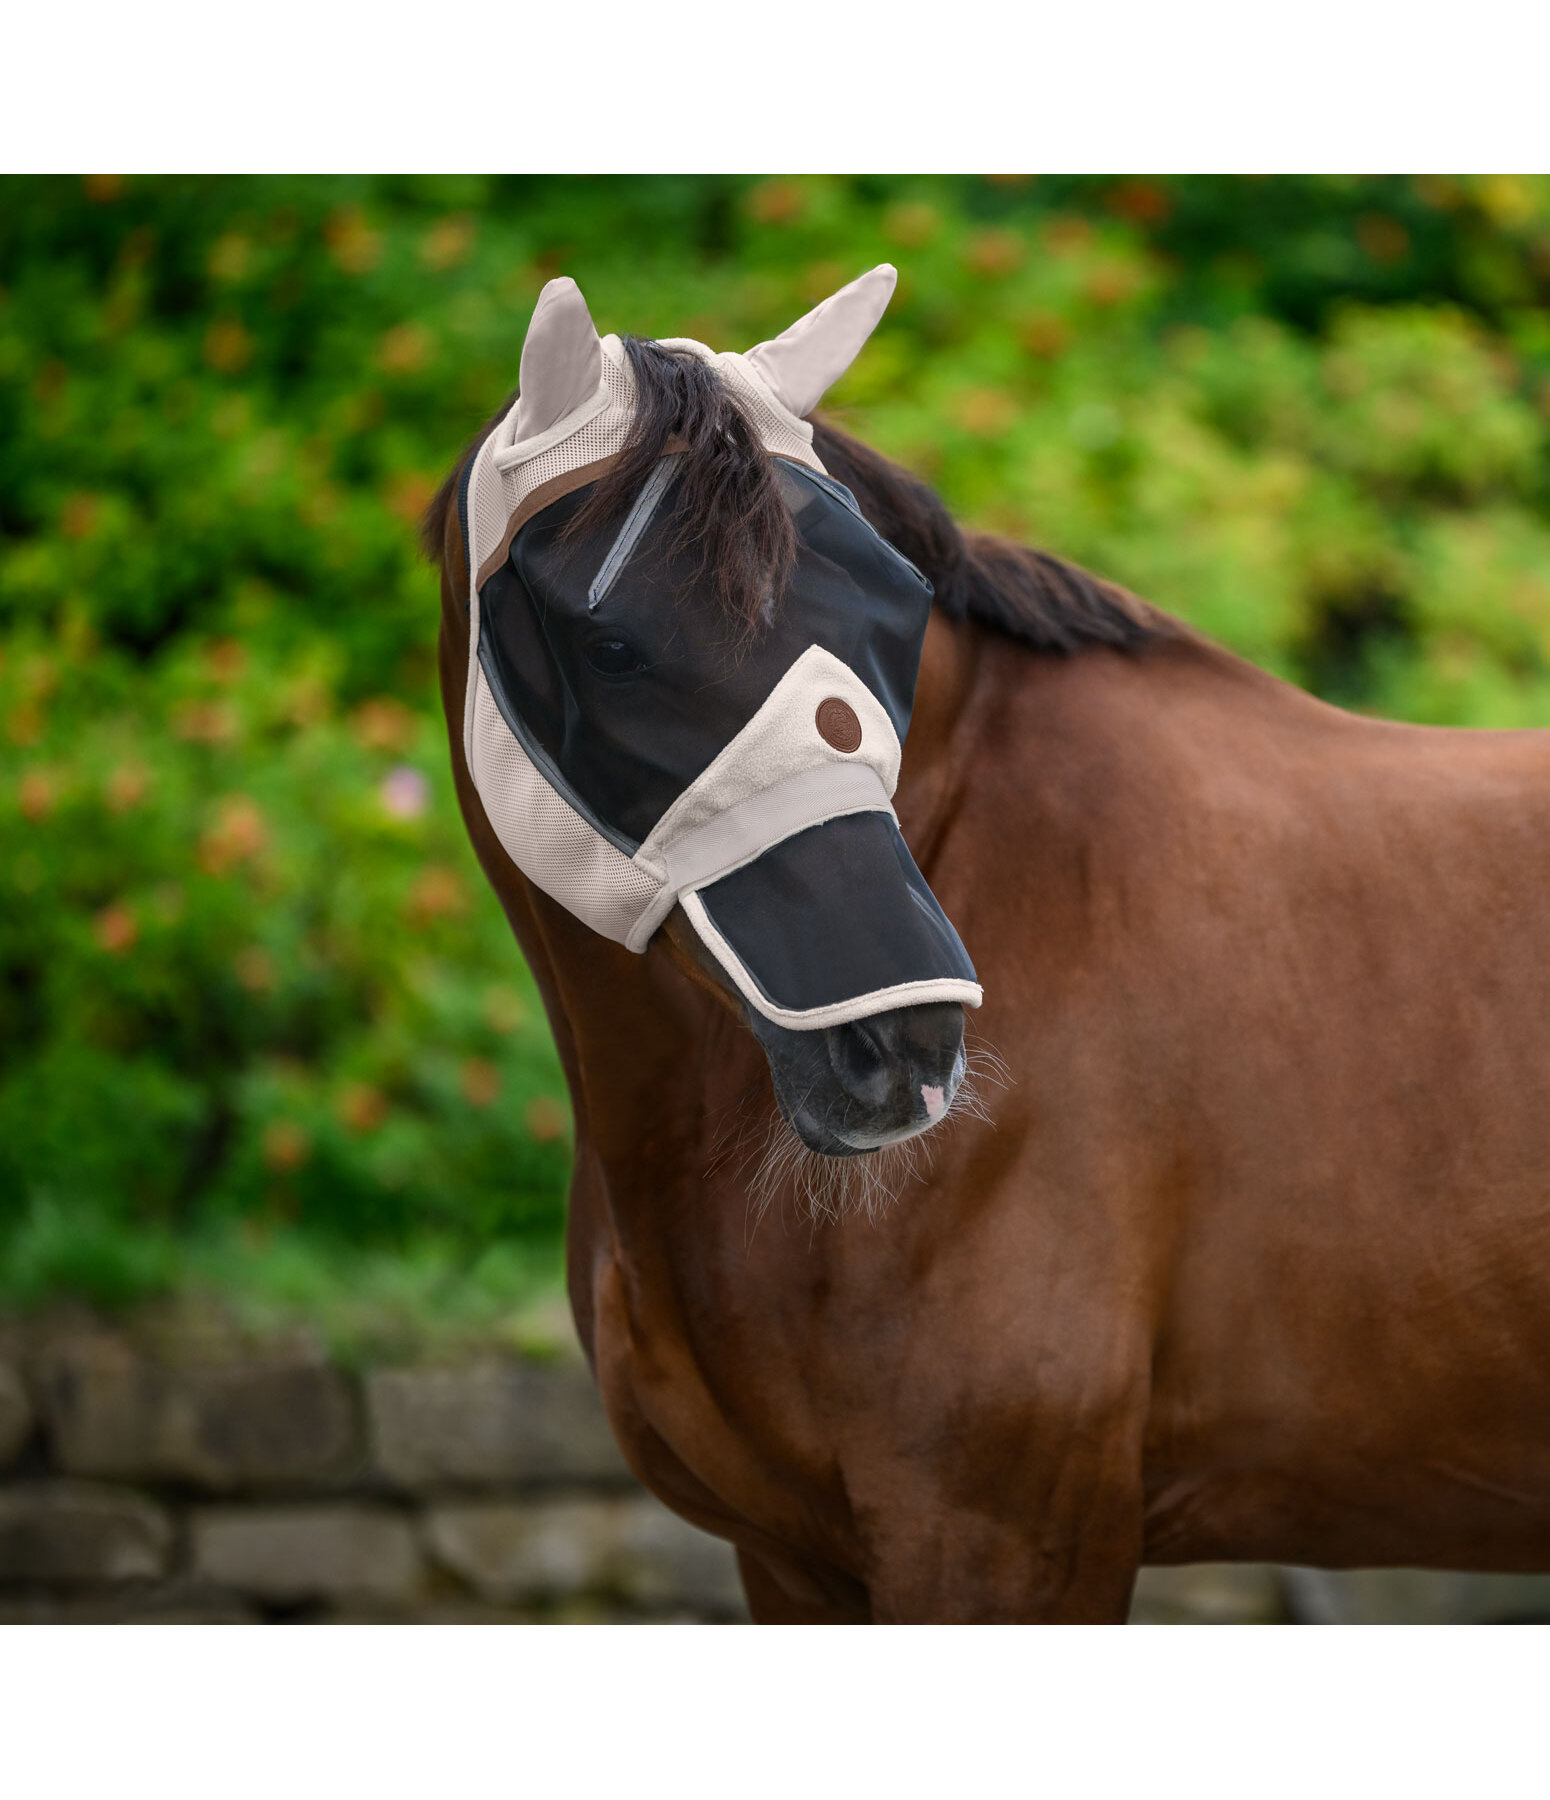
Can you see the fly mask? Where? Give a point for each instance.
(629, 758)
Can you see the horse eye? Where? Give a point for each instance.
(611, 656)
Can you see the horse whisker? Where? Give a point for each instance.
(774, 1164)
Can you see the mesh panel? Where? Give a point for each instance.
(488, 510)
(547, 838)
(765, 912)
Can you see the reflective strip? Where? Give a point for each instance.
(637, 519)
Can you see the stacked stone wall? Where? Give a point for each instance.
(155, 1474)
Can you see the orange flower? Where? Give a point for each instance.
(229, 256)
(285, 1145)
(1384, 239)
(24, 723)
(362, 1108)
(995, 254)
(1067, 236)
(447, 242)
(205, 722)
(37, 793)
(1046, 335)
(228, 346)
(409, 495)
(226, 658)
(821, 279)
(355, 246)
(1110, 283)
(384, 724)
(127, 787)
(404, 350)
(237, 835)
(437, 892)
(777, 202)
(985, 412)
(1142, 202)
(80, 515)
(115, 929)
(255, 969)
(546, 1120)
(503, 1009)
(911, 224)
(480, 1080)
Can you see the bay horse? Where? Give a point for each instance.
(1247, 1257)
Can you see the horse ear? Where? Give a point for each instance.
(562, 361)
(804, 362)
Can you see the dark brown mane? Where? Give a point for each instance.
(745, 535)
(727, 494)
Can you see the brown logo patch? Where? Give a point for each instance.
(838, 725)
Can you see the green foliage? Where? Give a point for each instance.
(260, 1017)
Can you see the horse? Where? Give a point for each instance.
(1239, 1247)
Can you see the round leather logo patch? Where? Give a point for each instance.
(838, 725)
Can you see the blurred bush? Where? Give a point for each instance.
(258, 1010)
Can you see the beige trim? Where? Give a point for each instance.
(543, 834)
(781, 740)
(556, 488)
(743, 833)
(818, 1018)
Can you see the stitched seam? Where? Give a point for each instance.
(837, 1012)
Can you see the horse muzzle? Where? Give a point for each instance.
(868, 1083)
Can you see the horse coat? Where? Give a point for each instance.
(1249, 1258)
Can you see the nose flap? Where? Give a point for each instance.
(833, 924)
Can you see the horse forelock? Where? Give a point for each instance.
(728, 505)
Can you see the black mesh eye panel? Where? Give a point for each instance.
(793, 920)
(625, 747)
(856, 595)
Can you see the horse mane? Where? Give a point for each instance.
(746, 539)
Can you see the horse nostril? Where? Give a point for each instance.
(859, 1061)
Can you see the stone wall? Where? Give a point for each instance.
(155, 1473)
(169, 1471)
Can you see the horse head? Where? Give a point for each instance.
(691, 668)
